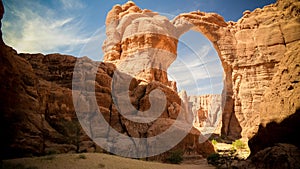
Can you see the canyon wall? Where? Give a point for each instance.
(259, 55)
(207, 110)
(251, 51)
(38, 114)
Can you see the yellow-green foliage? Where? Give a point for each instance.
(214, 142)
(238, 144)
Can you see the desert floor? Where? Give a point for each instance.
(95, 161)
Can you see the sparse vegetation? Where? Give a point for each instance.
(51, 152)
(16, 166)
(97, 161)
(213, 158)
(175, 157)
(101, 165)
(214, 142)
(239, 144)
(49, 157)
(82, 156)
(222, 159)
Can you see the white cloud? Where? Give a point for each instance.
(35, 28)
(72, 4)
(92, 48)
(197, 62)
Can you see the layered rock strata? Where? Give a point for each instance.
(259, 55)
(251, 51)
(207, 110)
(38, 115)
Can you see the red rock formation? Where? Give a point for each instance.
(38, 115)
(250, 51)
(207, 110)
(259, 55)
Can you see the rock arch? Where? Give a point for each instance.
(251, 48)
(213, 27)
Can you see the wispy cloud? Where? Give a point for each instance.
(72, 4)
(197, 62)
(33, 27)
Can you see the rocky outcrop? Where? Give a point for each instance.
(140, 42)
(275, 157)
(1, 16)
(259, 55)
(207, 110)
(37, 112)
(38, 115)
(251, 51)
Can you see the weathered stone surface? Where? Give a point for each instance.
(140, 42)
(259, 55)
(37, 110)
(251, 51)
(275, 157)
(1, 16)
(207, 110)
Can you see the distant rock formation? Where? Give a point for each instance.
(207, 110)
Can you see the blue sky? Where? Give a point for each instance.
(77, 27)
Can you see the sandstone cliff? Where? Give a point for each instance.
(254, 51)
(207, 110)
(38, 115)
(251, 51)
(259, 54)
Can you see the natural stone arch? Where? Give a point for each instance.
(214, 28)
(250, 49)
(122, 20)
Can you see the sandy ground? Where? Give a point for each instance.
(98, 161)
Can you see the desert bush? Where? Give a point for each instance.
(175, 157)
(222, 159)
(51, 152)
(238, 144)
(49, 157)
(82, 156)
(101, 165)
(213, 158)
(214, 142)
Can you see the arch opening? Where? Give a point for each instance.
(199, 73)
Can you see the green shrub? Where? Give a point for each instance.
(51, 152)
(175, 157)
(214, 142)
(82, 156)
(213, 158)
(238, 144)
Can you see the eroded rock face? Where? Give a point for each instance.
(140, 42)
(250, 51)
(259, 55)
(277, 157)
(207, 110)
(38, 114)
